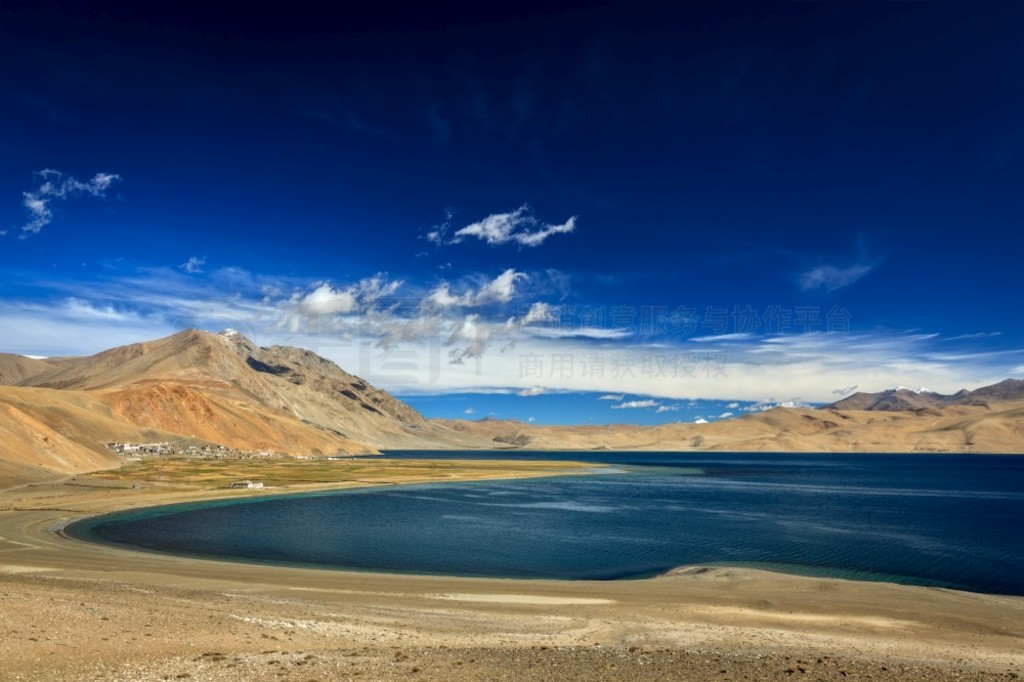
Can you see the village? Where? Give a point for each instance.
(139, 451)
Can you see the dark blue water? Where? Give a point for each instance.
(952, 521)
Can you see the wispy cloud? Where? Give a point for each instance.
(438, 233)
(193, 265)
(636, 405)
(57, 185)
(832, 278)
(519, 226)
(532, 391)
(580, 333)
(501, 289)
(325, 299)
(667, 408)
(770, 404)
(388, 333)
(976, 335)
(540, 312)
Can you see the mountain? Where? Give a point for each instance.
(996, 428)
(1008, 389)
(900, 398)
(46, 433)
(16, 368)
(224, 388)
(199, 387)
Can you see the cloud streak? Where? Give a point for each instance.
(388, 333)
(832, 278)
(56, 185)
(501, 289)
(520, 227)
(636, 405)
(193, 265)
(829, 277)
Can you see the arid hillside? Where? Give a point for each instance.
(991, 428)
(196, 388)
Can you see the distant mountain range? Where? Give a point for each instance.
(900, 398)
(201, 389)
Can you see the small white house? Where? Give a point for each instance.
(247, 484)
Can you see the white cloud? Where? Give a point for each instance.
(417, 348)
(470, 339)
(437, 234)
(519, 226)
(636, 405)
(832, 278)
(726, 415)
(537, 238)
(667, 408)
(377, 287)
(469, 410)
(532, 391)
(193, 265)
(532, 419)
(617, 397)
(75, 307)
(442, 297)
(326, 300)
(976, 335)
(540, 312)
(501, 289)
(765, 405)
(739, 336)
(579, 333)
(56, 185)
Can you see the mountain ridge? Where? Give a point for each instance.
(57, 414)
(901, 398)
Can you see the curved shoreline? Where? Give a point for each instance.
(86, 532)
(743, 612)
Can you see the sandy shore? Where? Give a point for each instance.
(78, 611)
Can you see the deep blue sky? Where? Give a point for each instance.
(785, 159)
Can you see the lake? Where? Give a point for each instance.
(942, 520)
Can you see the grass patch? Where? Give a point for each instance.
(286, 472)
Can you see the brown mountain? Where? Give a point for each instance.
(16, 368)
(205, 388)
(200, 388)
(221, 386)
(995, 428)
(900, 398)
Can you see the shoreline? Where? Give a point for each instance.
(750, 617)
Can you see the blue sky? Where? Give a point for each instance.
(751, 204)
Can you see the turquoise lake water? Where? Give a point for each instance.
(952, 521)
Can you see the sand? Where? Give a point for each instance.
(71, 610)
